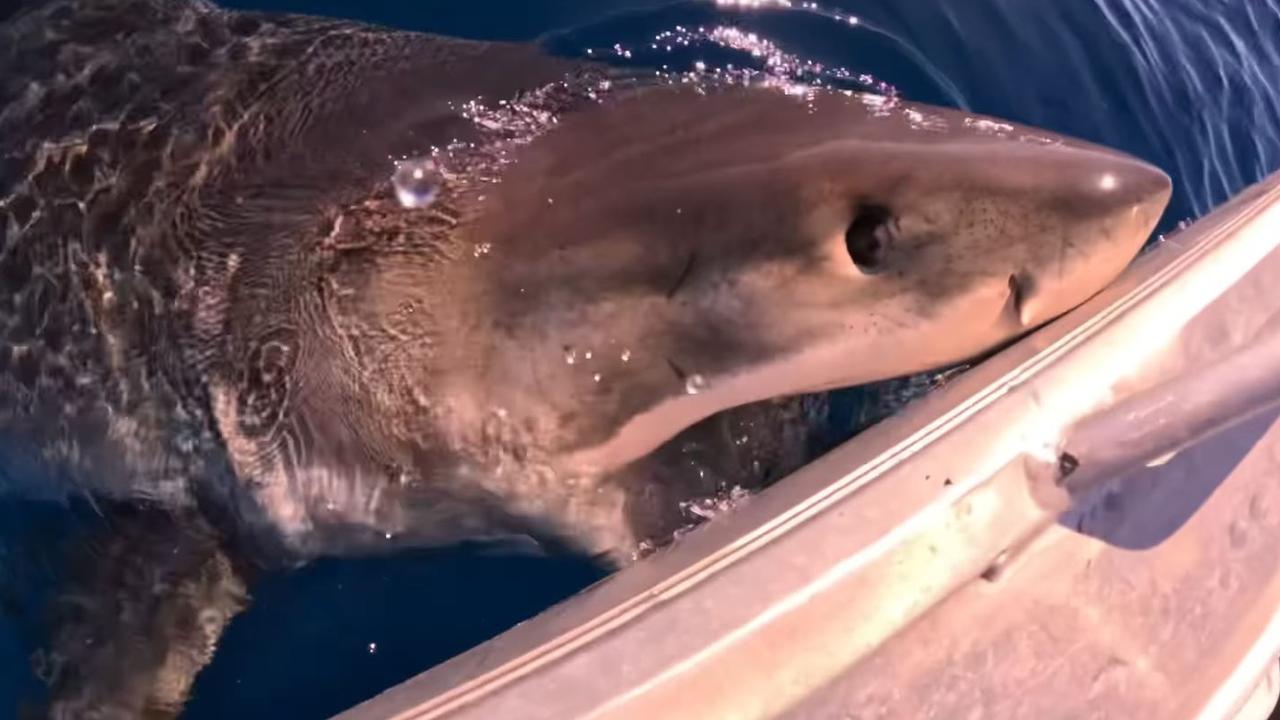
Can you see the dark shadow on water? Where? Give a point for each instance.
(33, 538)
(321, 639)
(17, 684)
(1143, 508)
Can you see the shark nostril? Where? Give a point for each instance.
(870, 236)
(1021, 287)
(1015, 293)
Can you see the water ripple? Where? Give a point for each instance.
(1190, 85)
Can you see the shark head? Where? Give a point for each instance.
(675, 252)
(526, 271)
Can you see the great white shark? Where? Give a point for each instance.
(277, 287)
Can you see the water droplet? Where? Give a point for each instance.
(570, 354)
(695, 384)
(417, 182)
(626, 355)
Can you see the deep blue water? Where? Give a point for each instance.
(1190, 85)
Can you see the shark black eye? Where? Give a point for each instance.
(869, 237)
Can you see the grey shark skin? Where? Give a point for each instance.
(214, 306)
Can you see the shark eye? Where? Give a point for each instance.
(870, 236)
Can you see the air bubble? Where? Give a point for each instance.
(570, 355)
(695, 384)
(626, 356)
(417, 182)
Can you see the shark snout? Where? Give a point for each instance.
(1131, 188)
(1119, 200)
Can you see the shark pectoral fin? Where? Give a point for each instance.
(139, 617)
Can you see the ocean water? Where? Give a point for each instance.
(1192, 86)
